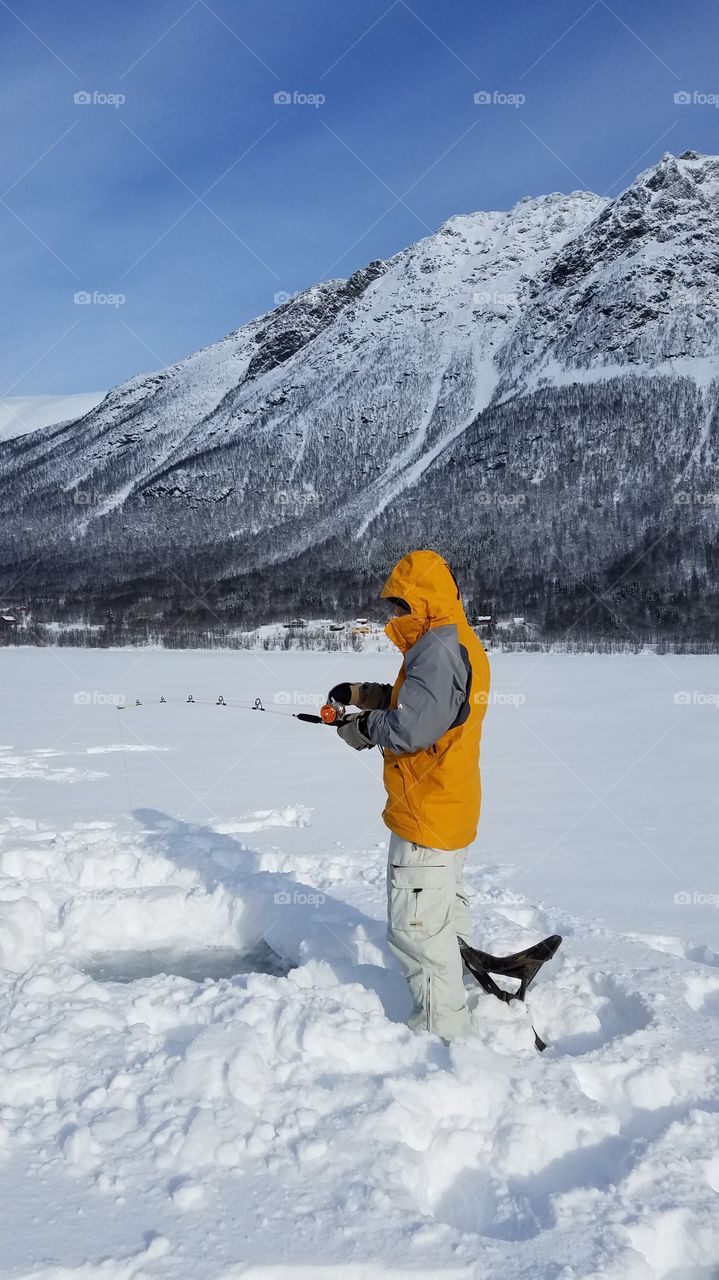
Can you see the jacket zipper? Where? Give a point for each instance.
(429, 1002)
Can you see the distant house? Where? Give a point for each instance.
(8, 621)
(485, 626)
(295, 624)
(337, 626)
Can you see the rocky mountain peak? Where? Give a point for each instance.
(240, 454)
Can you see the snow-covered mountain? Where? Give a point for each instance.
(20, 414)
(483, 391)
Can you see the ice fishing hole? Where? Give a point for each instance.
(198, 965)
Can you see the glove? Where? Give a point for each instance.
(348, 695)
(368, 696)
(352, 733)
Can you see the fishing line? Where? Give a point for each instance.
(330, 713)
(124, 766)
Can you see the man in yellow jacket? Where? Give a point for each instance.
(428, 724)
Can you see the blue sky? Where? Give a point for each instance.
(199, 198)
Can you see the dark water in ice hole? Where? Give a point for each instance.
(198, 965)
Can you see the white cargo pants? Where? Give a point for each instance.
(427, 909)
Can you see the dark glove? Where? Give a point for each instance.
(352, 733)
(368, 696)
(346, 694)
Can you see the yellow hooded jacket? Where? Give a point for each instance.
(432, 727)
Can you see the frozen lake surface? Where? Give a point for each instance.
(176, 1103)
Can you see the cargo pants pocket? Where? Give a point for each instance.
(419, 903)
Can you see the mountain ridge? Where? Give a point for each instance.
(325, 422)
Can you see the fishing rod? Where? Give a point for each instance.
(331, 712)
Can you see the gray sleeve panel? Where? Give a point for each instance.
(430, 698)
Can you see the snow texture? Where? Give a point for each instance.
(281, 1127)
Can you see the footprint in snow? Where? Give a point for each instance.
(588, 1011)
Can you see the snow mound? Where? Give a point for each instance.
(299, 1108)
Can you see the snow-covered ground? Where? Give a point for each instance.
(277, 1125)
(20, 414)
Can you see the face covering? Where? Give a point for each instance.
(405, 630)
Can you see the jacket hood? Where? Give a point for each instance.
(424, 580)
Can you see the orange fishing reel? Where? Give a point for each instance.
(332, 713)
